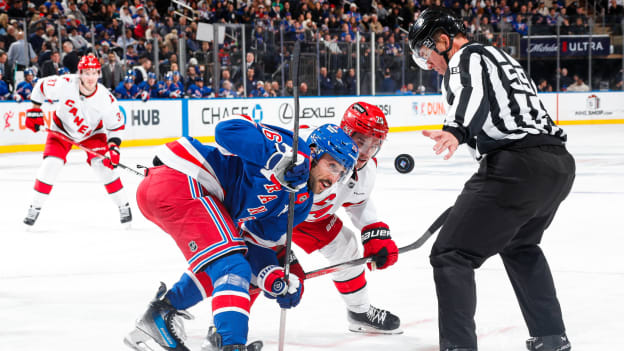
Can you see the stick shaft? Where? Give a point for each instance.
(91, 151)
(291, 196)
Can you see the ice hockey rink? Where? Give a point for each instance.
(77, 279)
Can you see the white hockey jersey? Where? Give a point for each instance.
(76, 115)
(353, 195)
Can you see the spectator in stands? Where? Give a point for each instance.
(259, 90)
(544, 86)
(303, 89)
(578, 28)
(9, 38)
(327, 86)
(4, 66)
(36, 38)
(578, 85)
(126, 40)
(275, 87)
(250, 83)
(565, 80)
(19, 55)
(112, 72)
(80, 43)
(75, 12)
(51, 66)
(142, 70)
(340, 87)
(388, 85)
(191, 76)
(69, 57)
(351, 82)
(615, 12)
(226, 90)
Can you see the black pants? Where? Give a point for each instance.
(503, 209)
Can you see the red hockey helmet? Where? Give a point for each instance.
(366, 119)
(89, 62)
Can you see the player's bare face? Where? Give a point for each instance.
(368, 147)
(325, 173)
(88, 80)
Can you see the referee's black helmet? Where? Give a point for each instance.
(429, 21)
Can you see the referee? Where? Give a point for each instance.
(525, 172)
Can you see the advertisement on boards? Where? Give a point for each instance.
(155, 119)
(590, 106)
(569, 45)
(152, 119)
(400, 111)
(14, 131)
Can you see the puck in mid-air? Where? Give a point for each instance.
(404, 163)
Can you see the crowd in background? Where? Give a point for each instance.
(123, 34)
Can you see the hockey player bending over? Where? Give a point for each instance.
(86, 113)
(323, 230)
(226, 207)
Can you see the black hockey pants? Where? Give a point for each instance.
(503, 209)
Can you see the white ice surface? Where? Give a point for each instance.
(77, 280)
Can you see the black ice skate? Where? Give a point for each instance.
(374, 321)
(125, 215)
(213, 343)
(33, 214)
(161, 324)
(549, 343)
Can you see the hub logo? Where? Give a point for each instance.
(256, 113)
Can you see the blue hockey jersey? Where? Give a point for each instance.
(234, 171)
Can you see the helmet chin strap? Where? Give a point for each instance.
(445, 52)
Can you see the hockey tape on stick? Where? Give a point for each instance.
(291, 196)
(92, 152)
(364, 260)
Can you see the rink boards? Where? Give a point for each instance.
(161, 120)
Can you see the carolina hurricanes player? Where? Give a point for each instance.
(324, 231)
(88, 114)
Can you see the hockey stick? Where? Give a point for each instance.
(291, 196)
(363, 260)
(92, 152)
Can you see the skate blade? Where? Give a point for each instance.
(255, 346)
(126, 226)
(357, 328)
(140, 341)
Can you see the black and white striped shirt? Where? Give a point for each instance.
(493, 103)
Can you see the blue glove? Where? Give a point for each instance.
(271, 281)
(292, 177)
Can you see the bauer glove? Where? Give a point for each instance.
(278, 166)
(112, 156)
(379, 245)
(271, 281)
(34, 119)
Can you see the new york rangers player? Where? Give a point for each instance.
(323, 230)
(226, 207)
(88, 114)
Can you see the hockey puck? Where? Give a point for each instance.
(404, 163)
